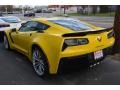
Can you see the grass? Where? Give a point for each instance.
(97, 14)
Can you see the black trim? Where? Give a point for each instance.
(85, 33)
(64, 46)
(11, 37)
(1, 36)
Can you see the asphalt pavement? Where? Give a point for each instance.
(15, 68)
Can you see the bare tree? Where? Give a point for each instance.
(104, 8)
(94, 9)
(8, 7)
(116, 48)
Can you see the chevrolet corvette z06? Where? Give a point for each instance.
(47, 42)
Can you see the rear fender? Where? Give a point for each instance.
(51, 45)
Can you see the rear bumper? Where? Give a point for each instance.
(85, 59)
(106, 51)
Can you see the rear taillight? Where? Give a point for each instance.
(64, 46)
(111, 34)
(74, 42)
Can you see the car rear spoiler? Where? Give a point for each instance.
(86, 33)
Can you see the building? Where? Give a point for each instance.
(83, 9)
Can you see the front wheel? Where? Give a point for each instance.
(39, 62)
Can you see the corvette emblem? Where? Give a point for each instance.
(99, 38)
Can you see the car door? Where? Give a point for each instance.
(24, 36)
(20, 36)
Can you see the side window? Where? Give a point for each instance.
(42, 26)
(33, 26)
(29, 26)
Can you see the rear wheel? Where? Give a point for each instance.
(39, 62)
(6, 43)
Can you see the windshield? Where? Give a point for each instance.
(1, 21)
(72, 24)
(11, 19)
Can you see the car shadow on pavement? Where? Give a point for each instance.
(21, 71)
(21, 63)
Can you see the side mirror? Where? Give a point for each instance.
(14, 30)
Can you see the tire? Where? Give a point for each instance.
(6, 43)
(39, 62)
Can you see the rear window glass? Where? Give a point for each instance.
(72, 24)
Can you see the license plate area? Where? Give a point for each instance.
(98, 54)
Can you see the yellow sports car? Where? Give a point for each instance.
(47, 42)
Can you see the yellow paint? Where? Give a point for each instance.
(51, 42)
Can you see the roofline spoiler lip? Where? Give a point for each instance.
(87, 32)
